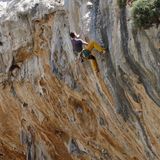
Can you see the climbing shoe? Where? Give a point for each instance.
(104, 51)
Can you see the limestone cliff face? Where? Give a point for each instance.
(54, 109)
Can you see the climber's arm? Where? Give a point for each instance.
(84, 42)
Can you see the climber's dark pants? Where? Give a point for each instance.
(93, 62)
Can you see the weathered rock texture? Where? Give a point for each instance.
(54, 109)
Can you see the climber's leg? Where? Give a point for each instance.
(93, 63)
(95, 45)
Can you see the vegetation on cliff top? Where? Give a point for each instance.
(146, 13)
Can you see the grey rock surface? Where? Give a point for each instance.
(62, 107)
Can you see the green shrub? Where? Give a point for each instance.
(146, 13)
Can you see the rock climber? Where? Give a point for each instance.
(86, 53)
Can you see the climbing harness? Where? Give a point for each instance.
(86, 53)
